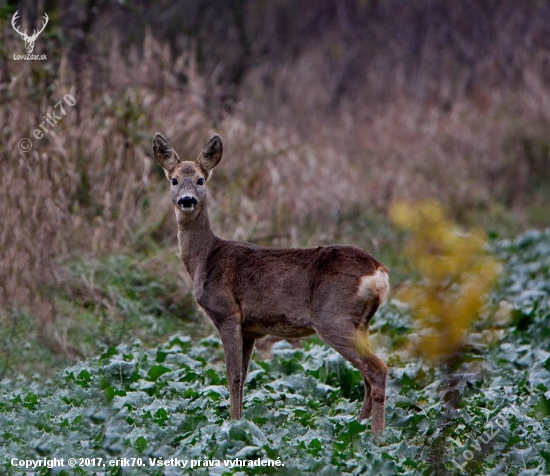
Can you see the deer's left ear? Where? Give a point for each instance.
(211, 154)
(165, 154)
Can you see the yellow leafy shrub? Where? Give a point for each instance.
(456, 274)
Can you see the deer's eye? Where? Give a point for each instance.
(200, 181)
(174, 181)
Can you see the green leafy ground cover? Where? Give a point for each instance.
(101, 303)
(300, 406)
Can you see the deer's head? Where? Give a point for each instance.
(29, 40)
(188, 178)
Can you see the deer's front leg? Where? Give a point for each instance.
(232, 341)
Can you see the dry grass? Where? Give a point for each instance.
(91, 186)
(485, 148)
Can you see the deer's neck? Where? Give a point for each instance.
(195, 238)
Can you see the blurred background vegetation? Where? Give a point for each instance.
(329, 112)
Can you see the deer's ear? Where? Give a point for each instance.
(165, 154)
(211, 154)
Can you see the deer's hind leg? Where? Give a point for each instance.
(366, 409)
(342, 336)
(248, 348)
(375, 373)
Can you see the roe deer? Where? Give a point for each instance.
(251, 291)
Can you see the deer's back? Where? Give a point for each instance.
(282, 291)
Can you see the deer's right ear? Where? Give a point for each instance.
(165, 154)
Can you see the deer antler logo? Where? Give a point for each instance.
(29, 40)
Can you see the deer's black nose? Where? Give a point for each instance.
(187, 202)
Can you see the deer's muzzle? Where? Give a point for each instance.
(187, 203)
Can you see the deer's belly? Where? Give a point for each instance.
(277, 325)
(280, 331)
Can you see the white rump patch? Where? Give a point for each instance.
(377, 284)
